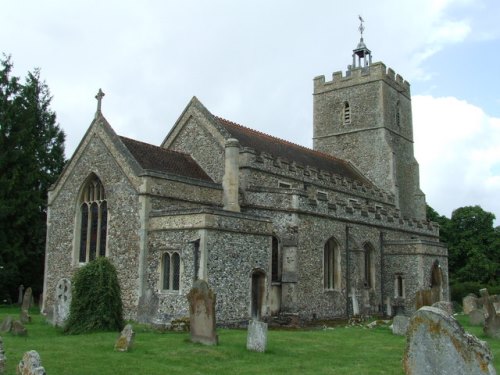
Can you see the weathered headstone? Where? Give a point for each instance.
(476, 317)
(492, 322)
(126, 339)
(3, 358)
(6, 324)
(257, 336)
(388, 306)
(24, 317)
(437, 344)
(445, 306)
(355, 305)
(202, 313)
(469, 303)
(62, 302)
(27, 299)
(18, 329)
(400, 325)
(31, 364)
(20, 296)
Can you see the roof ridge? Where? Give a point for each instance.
(151, 145)
(310, 150)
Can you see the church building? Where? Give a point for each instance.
(276, 229)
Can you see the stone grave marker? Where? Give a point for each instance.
(126, 339)
(476, 317)
(31, 364)
(3, 358)
(18, 329)
(24, 316)
(388, 306)
(20, 296)
(62, 302)
(469, 303)
(400, 325)
(445, 306)
(437, 344)
(257, 336)
(6, 324)
(492, 322)
(202, 313)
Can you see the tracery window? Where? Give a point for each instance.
(171, 272)
(331, 265)
(93, 221)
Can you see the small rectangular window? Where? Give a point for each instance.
(284, 185)
(322, 196)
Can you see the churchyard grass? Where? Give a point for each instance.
(353, 350)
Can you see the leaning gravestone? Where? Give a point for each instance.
(202, 313)
(62, 302)
(3, 359)
(476, 317)
(469, 303)
(24, 315)
(437, 344)
(18, 329)
(257, 336)
(492, 322)
(31, 364)
(6, 324)
(400, 325)
(126, 339)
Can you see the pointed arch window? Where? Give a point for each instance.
(93, 221)
(346, 113)
(369, 266)
(331, 265)
(275, 261)
(171, 270)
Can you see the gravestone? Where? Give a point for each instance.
(445, 306)
(18, 329)
(492, 322)
(31, 364)
(257, 336)
(3, 358)
(469, 303)
(437, 344)
(202, 313)
(20, 296)
(24, 316)
(400, 325)
(476, 317)
(6, 324)
(62, 302)
(126, 339)
(388, 307)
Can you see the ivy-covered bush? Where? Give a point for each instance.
(96, 303)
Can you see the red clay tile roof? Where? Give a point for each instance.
(159, 159)
(277, 147)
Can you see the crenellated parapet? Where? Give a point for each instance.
(375, 72)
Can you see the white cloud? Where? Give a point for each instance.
(457, 146)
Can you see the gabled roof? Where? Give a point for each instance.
(292, 152)
(159, 159)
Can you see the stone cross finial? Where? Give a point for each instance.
(99, 97)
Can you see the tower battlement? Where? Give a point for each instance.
(374, 72)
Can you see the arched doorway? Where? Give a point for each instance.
(258, 293)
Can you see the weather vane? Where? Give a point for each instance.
(361, 27)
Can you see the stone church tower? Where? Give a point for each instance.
(365, 117)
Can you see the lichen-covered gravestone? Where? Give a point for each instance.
(6, 324)
(31, 364)
(126, 339)
(202, 314)
(24, 315)
(437, 344)
(492, 322)
(400, 325)
(62, 302)
(257, 336)
(469, 303)
(476, 317)
(446, 306)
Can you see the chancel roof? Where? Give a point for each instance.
(292, 152)
(159, 159)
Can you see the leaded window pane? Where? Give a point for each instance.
(166, 271)
(176, 270)
(103, 229)
(94, 218)
(83, 232)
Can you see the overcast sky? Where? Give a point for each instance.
(253, 62)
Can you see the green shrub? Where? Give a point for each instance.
(96, 302)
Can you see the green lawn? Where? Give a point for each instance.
(353, 350)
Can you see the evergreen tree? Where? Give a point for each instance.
(31, 158)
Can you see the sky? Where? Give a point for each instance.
(253, 62)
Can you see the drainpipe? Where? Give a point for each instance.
(347, 283)
(382, 268)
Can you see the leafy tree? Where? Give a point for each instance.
(31, 158)
(96, 303)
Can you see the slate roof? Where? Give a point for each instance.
(159, 159)
(277, 147)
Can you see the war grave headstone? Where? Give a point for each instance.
(62, 303)
(437, 344)
(469, 303)
(202, 314)
(126, 339)
(492, 322)
(31, 364)
(257, 336)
